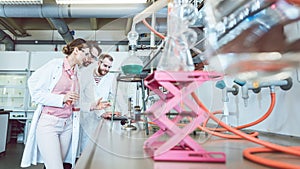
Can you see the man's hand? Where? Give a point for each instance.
(99, 105)
(107, 115)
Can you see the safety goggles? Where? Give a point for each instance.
(105, 65)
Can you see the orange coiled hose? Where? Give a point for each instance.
(271, 146)
(248, 153)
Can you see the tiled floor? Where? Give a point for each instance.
(232, 148)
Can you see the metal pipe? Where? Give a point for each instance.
(74, 11)
(7, 40)
(62, 29)
(7, 27)
(71, 11)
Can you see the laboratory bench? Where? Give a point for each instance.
(113, 148)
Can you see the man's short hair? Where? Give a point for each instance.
(105, 55)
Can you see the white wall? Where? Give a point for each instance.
(37, 59)
(14, 60)
(285, 117)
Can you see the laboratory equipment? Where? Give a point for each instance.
(255, 86)
(132, 64)
(176, 55)
(129, 125)
(139, 79)
(179, 146)
(252, 39)
(225, 90)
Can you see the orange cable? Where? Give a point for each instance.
(269, 145)
(248, 153)
(266, 115)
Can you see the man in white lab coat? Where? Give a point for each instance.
(103, 88)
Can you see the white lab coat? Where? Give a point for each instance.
(90, 91)
(105, 87)
(40, 85)
(87, 118)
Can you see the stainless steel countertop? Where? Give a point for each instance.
(122, 149)
(115, 148)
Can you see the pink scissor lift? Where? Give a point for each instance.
(178, 146)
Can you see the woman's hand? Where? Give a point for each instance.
(70, 97)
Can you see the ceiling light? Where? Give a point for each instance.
(21, 2)
(99, 1)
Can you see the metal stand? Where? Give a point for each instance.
(180, 146)
(138, 79)
(129, 126)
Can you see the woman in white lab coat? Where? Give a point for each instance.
(43, 87)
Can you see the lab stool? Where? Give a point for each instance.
(174, 89)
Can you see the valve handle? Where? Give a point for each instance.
(289, 84)
(220, 84)
(239, 82)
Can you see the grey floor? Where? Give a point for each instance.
(11, 160)
(12, 157)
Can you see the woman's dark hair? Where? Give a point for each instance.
(69, 48)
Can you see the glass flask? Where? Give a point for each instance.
(132, 64)
(176, 55)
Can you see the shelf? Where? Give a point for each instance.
(14, 93)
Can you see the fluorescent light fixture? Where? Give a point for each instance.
(100, 1)
(21, 2)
